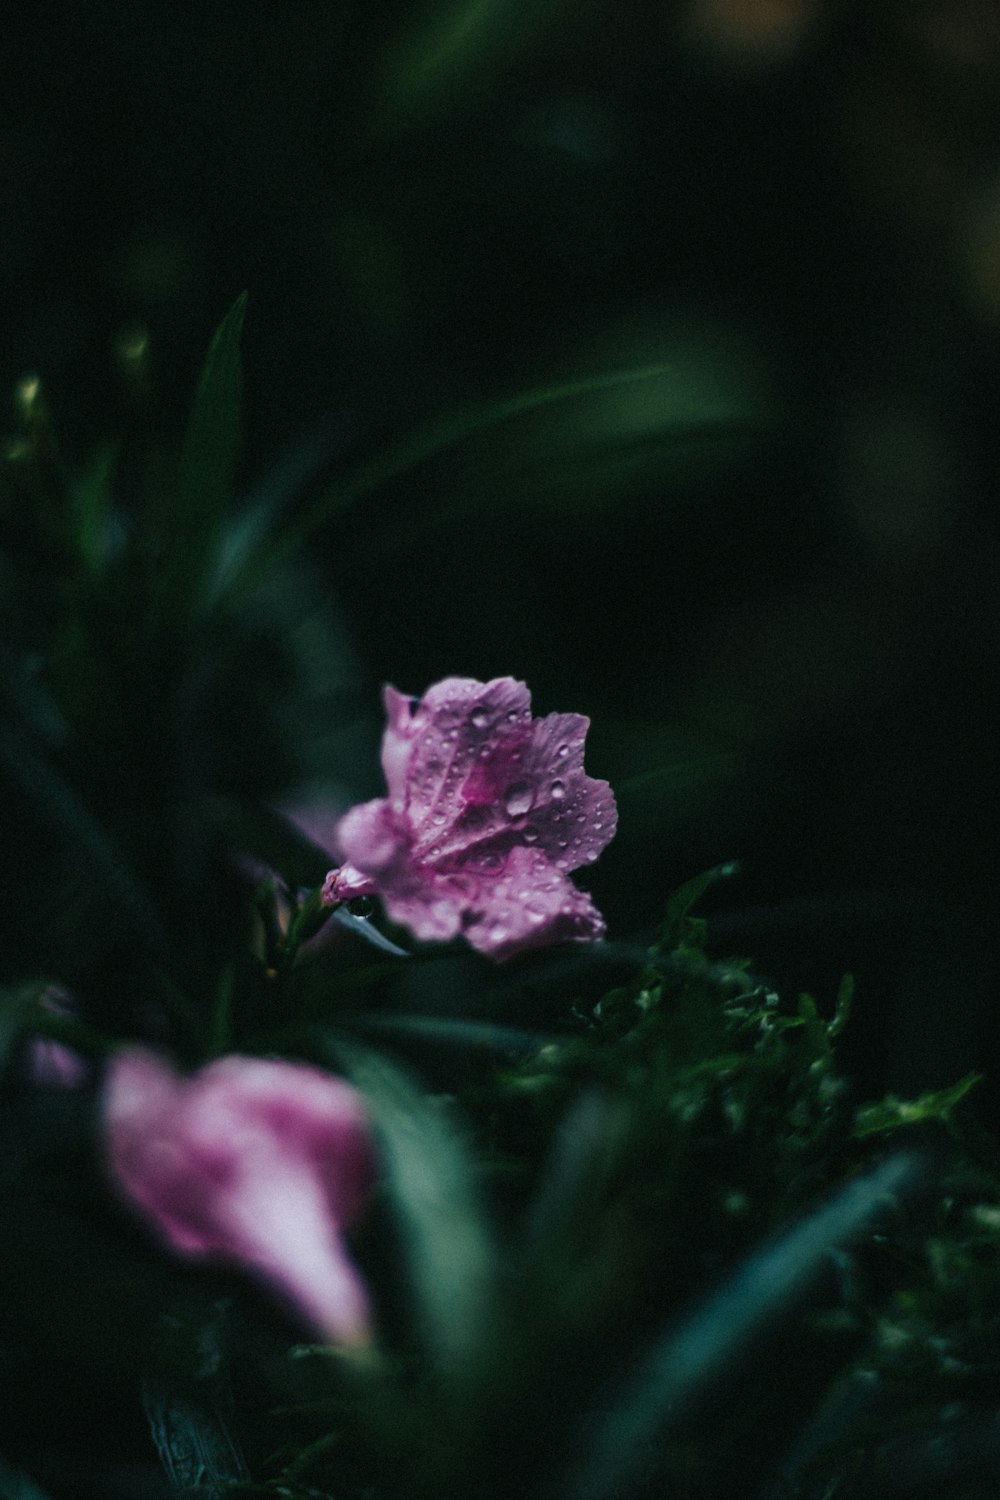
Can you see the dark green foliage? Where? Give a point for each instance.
(635, 1233)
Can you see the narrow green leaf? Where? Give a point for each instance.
(93, 494)
(63, 809)
(207, 475)
(893, 1114)
(768, 1286)
(415, 448)
(485, 1036)
(447, 45)
(650, 789)
(676, 920)
(446, 1235)
(842, 1008)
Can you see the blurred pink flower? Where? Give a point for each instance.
(487, 811)
(258, 1163)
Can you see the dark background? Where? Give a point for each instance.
(766, 571)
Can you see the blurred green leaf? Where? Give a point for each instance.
(17, 1486)
(93, 495)
(842, 1008)
(415, 448)
(209, 458)
(446, 46)
(678, 928)
(448, 1242)
(893, 1114)
(766, 1288)
(59, 805)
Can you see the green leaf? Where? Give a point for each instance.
(677, 924)
(842, 1008)
(418, 447)
(58, 804)
(447, 1239)
(688, 1361)
(93, 495)
(207, 475)
(15, 1485)
(448, 45)
(650, 789)
(893, 1114)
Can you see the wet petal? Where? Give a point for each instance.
(480, 794)
(530, 904)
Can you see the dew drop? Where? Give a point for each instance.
(517, 799)
(598, 824)
(512, 716)
(530, 834)
(479, 718)
(562, 844)
(534, 916)
(361, 906)
(497, 934)
(562, 752)
(558, 790)
(489, 862)
(439, 818)
(581, 817)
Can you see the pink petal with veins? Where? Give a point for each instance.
(488, 809)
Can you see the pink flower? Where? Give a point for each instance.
(487, 811)
(258, 1163)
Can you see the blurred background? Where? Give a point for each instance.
(762, 561)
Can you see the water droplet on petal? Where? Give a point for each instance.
(558, 789)
(490, 862)
(562, 843)
(497, 934)
(361, 906)
(479, 718)
(581, 817)
(439, 818)
(530, 834)
(562, 752)
(598, 824)
(517, 799)
(534, 916)
(512, 716)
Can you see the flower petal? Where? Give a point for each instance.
(251, 1161)
(530, 904)
(460, 722)
(480, 795)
